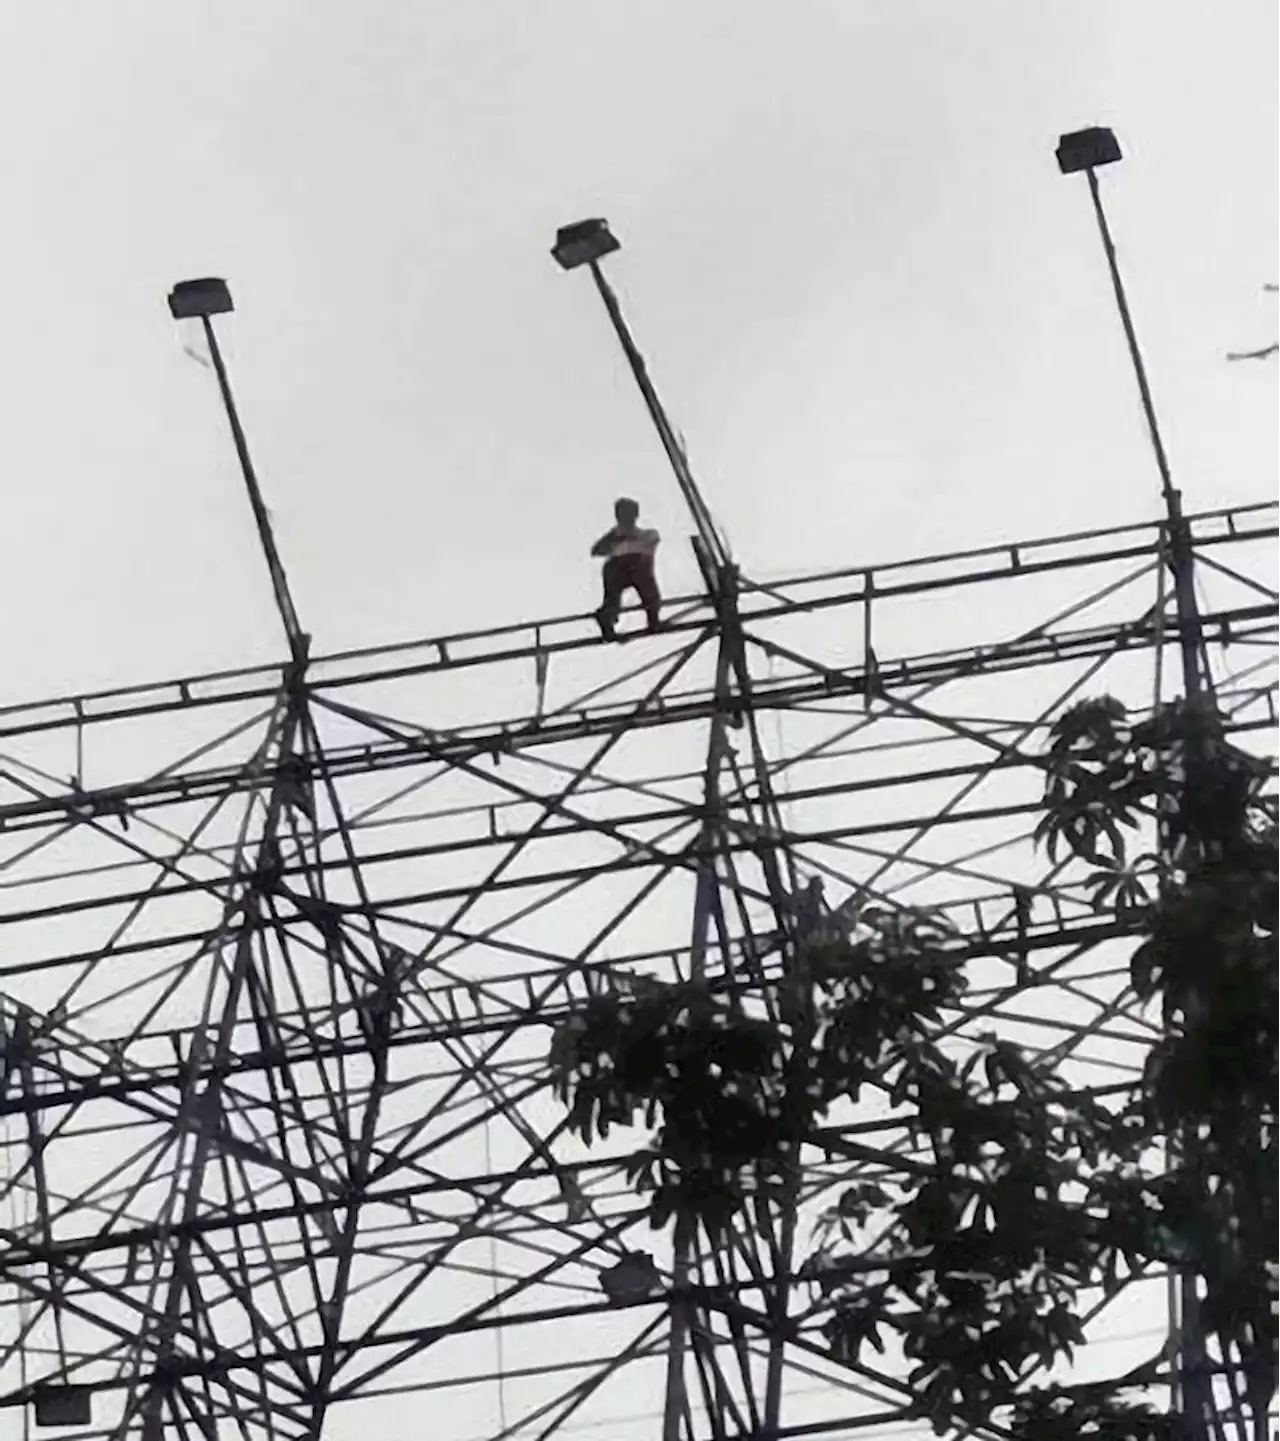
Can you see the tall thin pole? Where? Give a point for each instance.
(1192, 1382)
(721, 577)
(676, 1398)
(1181, 559)
(275, 566)
(712, 542)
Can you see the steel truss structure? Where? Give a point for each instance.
(281, 965)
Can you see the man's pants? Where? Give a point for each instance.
(623, 573)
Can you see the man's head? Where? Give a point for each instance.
(627, 512)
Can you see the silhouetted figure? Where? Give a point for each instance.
(628, 552)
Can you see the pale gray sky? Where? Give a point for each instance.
(880, 316)
(877, 311)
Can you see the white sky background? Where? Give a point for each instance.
(877, 311)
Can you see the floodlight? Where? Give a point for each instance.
(199, 299)
(64, 1406)
(583, 243)
(1087, 150)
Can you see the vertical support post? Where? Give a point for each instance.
(586, 244)
(1193, 1386)
(705, 904)
(207, 1062)
(201, 300)
(1194, 1389)
(24, 1043)
(721, 577)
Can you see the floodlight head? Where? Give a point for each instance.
(1087, 150)
(198, 299)
(583, 243)
(64, 1406)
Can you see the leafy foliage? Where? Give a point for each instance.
(716, 1077)
(980, 1271)
(733, 1095)
(1209, 957)
(1027, 1196)
(1092, 1415)
(1103, 772)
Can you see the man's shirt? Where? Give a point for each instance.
(638, 542)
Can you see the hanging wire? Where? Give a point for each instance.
(1266, 351)
(193, 345)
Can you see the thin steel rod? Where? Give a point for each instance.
(294, 633)
(1193, 1388)
(701, 515)
(1181, 554)
(849, 588)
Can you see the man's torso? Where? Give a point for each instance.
(634, 542)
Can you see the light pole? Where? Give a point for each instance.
(587, 242)
(1088, 151)
(201, 300)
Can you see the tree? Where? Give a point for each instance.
(1031, 1198)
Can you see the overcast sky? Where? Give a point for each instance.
(879, 315)
(876, 310)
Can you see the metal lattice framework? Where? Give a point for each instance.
(281, 965)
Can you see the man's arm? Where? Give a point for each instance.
(637, 542)
(605, 544)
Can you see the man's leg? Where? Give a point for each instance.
(614, 579)
(646, 584)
